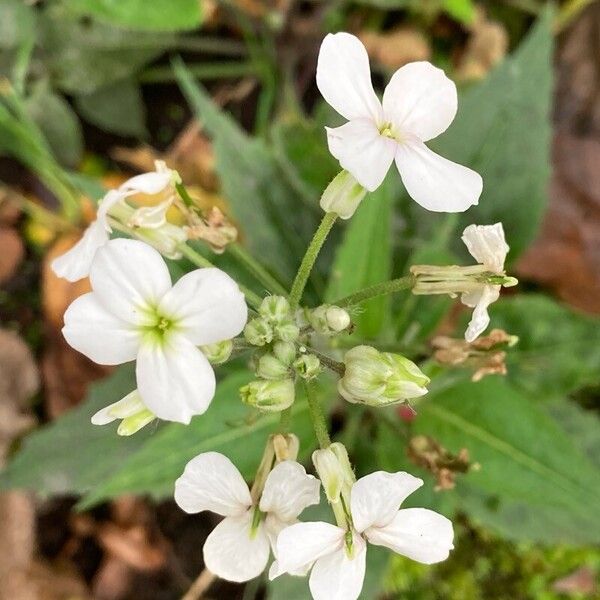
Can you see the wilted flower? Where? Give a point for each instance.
(419, 103)
(135, 313)
(337, 554)
(238, 548)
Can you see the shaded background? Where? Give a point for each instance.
(93, 98)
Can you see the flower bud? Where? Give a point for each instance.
(270, 367)
(218, 353)
(258, 332)
(308, 366)
(285, 352)
(380, 378)
(329, 320)
(287, 331)
(343, 195)
(275, 309)
(270, 396)
(330, 473)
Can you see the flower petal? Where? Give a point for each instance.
(487, 245)
(208, 305)
(289, 490)
(436, 183)
(301, 544)
(128, 277)
(232, 554)
(421, 100)
(174, 378)
(420, 534)
(344, 77)
(480, 319)
(375, 498)
(210, 481)
(75, 264)
(95, 332)
(338, 577)
(126, 407)
(148, 183)
(362, 151)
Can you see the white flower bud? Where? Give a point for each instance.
(380, 378)
(270, 396)
(343, 195)
(270, 367)
(330, 473)
(308, 366)
(258, 332)
(275, 309)
(218, 353)
(329, 320)
(285, 352)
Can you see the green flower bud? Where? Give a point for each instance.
(275, 309)
(308, 366)
(287, 331)
(270, 396)
(285, 352)
(218, 353)
(270, 367)
(258, 332)
(380, 378)
(343, 195)
(329, 320)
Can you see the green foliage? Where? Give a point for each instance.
(157, 15)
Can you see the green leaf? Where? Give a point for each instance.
(558, 350)
(156, 15)
(461, 10)
(117, 108)
(59, 124)
(263, 205)
(502, 130)
(364, 258)
(534, 483)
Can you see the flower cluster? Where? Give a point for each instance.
(176, 331)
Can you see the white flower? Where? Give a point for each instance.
(487, 245)
(75, 264)
(238, 548)
(419, 103)
(338, 556)
(135, 313)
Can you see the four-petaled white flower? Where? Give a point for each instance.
(419, 103)
(487, 245)
(75, 264)
(238, 548)
(135, 313)
(338, 555)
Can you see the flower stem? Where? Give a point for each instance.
(317, 417)
(256, 269)
(334, 365)
(310, 257)
(195, 257)
(379, 289)
(285, 420)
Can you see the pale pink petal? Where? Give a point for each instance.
(338, 576)
(375, 498)
(420, 534)
(434, 182)
(289, 490)
(99, 334)
(234, 552)
(301, 544)
(481, 318)
(129, 278)
(421, 100)
(487, 245)
(344, 77)
(210, 481)
(362, 151)
(208, 306)
(174, 378)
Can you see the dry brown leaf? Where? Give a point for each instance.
(12, 253)
(397, 47)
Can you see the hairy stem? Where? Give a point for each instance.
(317, 417)
(379, 289)
(310, 257)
